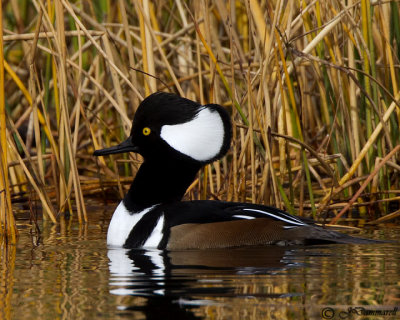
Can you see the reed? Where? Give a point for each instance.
(7, 222)
(312, 87)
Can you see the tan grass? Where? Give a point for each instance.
(312, 88)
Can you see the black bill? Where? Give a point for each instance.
(126, 146)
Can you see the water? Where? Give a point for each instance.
(69, 273)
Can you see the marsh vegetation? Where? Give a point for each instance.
(312, 88)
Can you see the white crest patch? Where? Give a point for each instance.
(201, 138)
(122, 223)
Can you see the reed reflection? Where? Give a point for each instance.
(7, 266)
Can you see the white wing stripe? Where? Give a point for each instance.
(243, 217)
(295, 222)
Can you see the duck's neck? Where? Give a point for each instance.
(159, 182)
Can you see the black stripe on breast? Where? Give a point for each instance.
(164, 241)
(142, 230)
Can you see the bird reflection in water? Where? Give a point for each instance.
(176, 282)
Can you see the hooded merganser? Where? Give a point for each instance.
(176, 137)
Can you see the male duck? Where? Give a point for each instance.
(176, 137)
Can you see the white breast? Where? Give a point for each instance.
(122, 223)
(201, 138)
(156, 236)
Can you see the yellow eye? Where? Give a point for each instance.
(146, 131)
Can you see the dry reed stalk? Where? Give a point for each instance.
(46, 35)
(386, 218)
(129, 43)
(366, 147)
(39, 188)
(7, 222)
(114, 76)
(68, 7)
(148, 50)
(164, 58)
(364, 185)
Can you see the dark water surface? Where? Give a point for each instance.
(69, 273)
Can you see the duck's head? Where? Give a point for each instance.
(167, 126)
